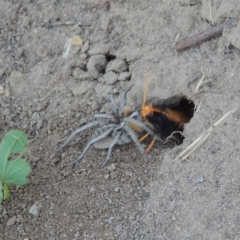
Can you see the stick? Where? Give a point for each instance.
(200, 140)
(204, 36)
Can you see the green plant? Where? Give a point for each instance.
(13, 171)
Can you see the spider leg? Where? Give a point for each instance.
(99, 131)
(79, 130)
(113, 102)
(123, 100)
(92, 142)
(134, 137)
(105, 115)
(114, 142)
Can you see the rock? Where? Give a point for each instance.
(96, 65)
(106, 176)
(2, 91)
(35, 117)
(99, 49)
(17, 84)
(76, 41)
(117, 65)
(85, 47)
(92, 189)
(113, 166)
(39, 124)
(117, 189)
(83, 56)
(34, 210)
(25, 21)
(80, 88)
(81, 75)
(124, 76)
(128, 173)
(11, 221)
(114, 174)
(109, 78)
(200, 179)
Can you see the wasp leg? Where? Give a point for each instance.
(150, 145)
(143, 126)
(144, 137)
(79, 130)
(114, 142)
(134, 138)
(123, 100)
(107, 132)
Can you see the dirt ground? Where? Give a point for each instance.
(48, 89)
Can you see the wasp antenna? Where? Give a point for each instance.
(146, 88)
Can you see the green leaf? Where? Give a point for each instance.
(15, 171)
(13, 142)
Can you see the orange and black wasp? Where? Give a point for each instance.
(166, 117)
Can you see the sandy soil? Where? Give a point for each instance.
(48, 95)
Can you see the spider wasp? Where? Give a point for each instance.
(166, 117)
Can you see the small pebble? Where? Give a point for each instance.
(11, 221)
(85, 47)
(113, 166)
(114, 174)
(117, 65)
(106, 176)
(110, 78)
(199, 180)
(128, 173)
(76, 41)
(99, 49)
(124, 76)
(92, 189)
(117, 189)
(34, 210)
(96, 65)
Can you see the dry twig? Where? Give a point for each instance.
(200, 140)
(204, 36)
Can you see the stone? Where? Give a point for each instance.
(117, 65)
(99, 49)
(11, 221)
(34, 210)
(85, 47)
(96, 65)
(124, 76)
(110, 78)
(92, 189)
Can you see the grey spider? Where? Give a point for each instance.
(119, 131)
